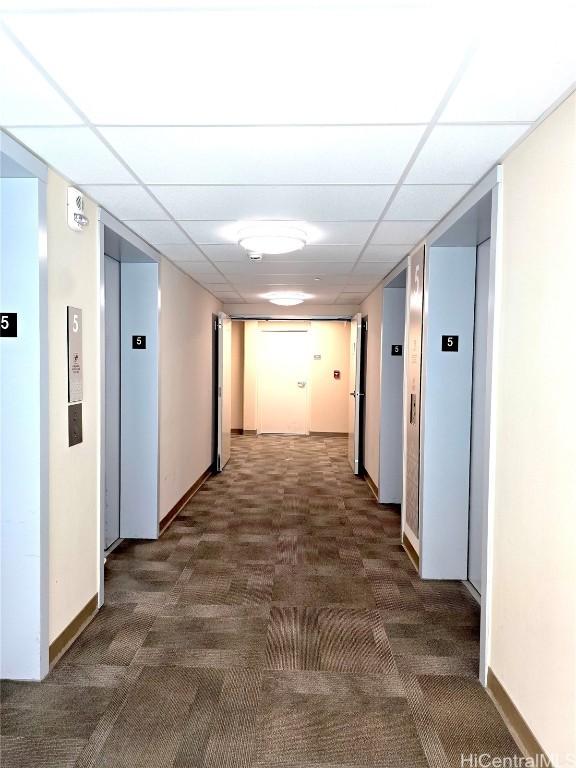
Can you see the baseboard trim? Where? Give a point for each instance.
(249, 432)
(371, 484)
(473, 591)
(169, 516)
(328, 434)
(237, 431)
(65, 639)
(411, 552)
(515, 723)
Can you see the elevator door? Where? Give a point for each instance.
(283, 382)
(112, 401)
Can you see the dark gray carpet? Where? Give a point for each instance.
(277, 622)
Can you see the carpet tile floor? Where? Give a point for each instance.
(277, 623)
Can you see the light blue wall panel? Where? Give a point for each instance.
(446, 412)
(392, 399)
(139, 402)
(23, 433)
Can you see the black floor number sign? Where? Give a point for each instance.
(9, 324)
(138, 342)
(449, 343)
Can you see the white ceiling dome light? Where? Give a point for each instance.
(271, 238)
(287, 298)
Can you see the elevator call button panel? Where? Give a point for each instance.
(74, 424)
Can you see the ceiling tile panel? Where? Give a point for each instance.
(321, 233)
(306, 203)
(182, 252)
(229, 252)
(42, 104)
(462, 154)
(357, 288)
(249, 279)
(209, 280)
(375, 268)
(343, 232)
(159, 232)
(351, 298)
(126, 201)
(203, 271)
(425, 201)
(203, 268)
(311, 253)
(384, 253)
(401, 232)
(257, 155)
(76, 152)
(302, 72)
(516, 77)
(271, 267)
(358, 278)
(322, 253)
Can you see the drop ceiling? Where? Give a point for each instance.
(367, 121)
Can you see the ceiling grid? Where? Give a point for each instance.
(195, 119)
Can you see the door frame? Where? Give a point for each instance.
(111, 547)
(131, 249)
(491, 185)
(307, 415)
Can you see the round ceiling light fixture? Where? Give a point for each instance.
(271, 238)
(286, 298)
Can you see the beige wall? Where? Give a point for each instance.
(186, 386)
(185, 402)
(372, 309)
(533, 642)
(250, 375)
(328, 396)
(73, 280)
(237, 374)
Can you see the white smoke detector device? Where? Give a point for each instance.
(77, 219)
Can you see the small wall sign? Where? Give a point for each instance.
(449, 343)
(396, 350)
(138, 342)
(74, 355)
(8, 324)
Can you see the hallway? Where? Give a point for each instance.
(276, 622)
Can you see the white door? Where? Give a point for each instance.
(112, 401)
(355, 404)
(478, 433)
(283, 382)
(224, 430)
